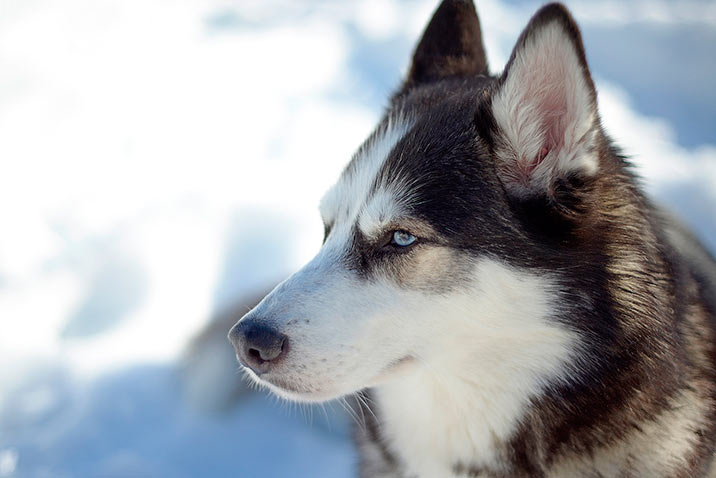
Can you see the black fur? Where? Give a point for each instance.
(451, 45)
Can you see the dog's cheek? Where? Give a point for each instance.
(432, 269)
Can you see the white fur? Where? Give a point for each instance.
(489, 350)
(469, 360)
(545, 97)
(385, 205)
(347, 198)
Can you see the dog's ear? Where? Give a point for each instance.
(451, 45)
(545, 107)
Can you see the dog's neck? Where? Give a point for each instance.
(434, 424)
(440, 424)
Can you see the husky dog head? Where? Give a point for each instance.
(451, 236)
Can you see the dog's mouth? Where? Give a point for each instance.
(399, 363)
(291, 388)
(394, 368)
(302, 388)
(289, 385)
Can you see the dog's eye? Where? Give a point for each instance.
(402, 238)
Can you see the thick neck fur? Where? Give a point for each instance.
(641, 397)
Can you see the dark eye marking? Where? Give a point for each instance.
(327, 231)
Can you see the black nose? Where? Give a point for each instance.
(257, 345)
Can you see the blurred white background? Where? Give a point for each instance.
(159, 160)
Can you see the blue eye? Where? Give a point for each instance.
(403, 238)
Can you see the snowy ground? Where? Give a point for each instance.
(160, 159)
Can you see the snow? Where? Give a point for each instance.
(133, 423)
(161, 159)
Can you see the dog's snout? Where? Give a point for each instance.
(257, 345)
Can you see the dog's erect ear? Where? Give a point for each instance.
(545, 107)
(451, 45)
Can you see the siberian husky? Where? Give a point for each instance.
(495, 281)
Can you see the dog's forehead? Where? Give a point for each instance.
(358, 196)
(415, 151)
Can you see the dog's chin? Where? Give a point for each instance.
(302, 396)
(292, 389)
(298, 389)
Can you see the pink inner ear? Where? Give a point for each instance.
(554, 111)
(545, 110)
(547, 84)
(529, 165)
(542, 154)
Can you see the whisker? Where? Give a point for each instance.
(364, 399)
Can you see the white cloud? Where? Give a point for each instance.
(651, 144)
